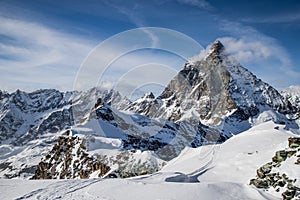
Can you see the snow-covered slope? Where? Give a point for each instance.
(123, 189)
(240, 155)
(238, 159)
(209, 172)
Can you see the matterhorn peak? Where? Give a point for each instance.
(217, 49)
(217, 46)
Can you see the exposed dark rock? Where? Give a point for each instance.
(265, 169)
(288, 194)
(99, 103)
(280, 156)
(266, 179)
(259, 183)
(67, 160)
(294, 142)
(298, 161)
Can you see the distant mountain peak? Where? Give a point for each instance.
(213, 88)
(217, 51)
(217, 46)
(214, 51)
(149, 95)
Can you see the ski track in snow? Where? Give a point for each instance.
(58, 190)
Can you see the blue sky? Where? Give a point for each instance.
(43, 43)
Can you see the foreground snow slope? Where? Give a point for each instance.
(124, 189)
(237, 159)
(209, 172)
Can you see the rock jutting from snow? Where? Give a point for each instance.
(68, 159)
(268, 175)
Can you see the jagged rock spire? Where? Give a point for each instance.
(149, 95)
(217, 48)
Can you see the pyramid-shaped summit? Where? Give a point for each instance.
(217, 47)
(215, 90)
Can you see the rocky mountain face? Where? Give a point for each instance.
(68, 159)
(25, 116)
(30, 124)
(22, 114)
(215, 89)
(206, 102)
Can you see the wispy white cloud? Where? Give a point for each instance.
(252, 48)
(251, 38)
(198, 3)
(129, 12)
(244, 50)
(30, 48)
(121, 73)
(247, 51)
(260, 53)
(280, 18)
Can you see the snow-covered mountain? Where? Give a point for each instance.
(25, 116)
(32, 122)
(208, 101)
(35, 121)
(215, 89)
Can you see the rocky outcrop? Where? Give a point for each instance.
(270, 176)
(129, 164)
(294, 142)
(68, 159)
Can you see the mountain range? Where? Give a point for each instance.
(48, 134)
